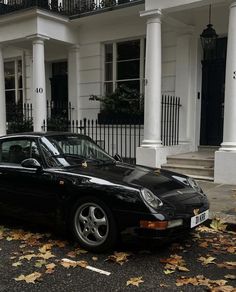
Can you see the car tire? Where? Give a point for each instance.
(93, 225)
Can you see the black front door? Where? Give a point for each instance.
(59, 90)
(213, 85)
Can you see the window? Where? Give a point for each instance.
(124, 65)
(13, 82)
(15, 151)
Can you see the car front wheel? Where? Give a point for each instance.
(94, 226)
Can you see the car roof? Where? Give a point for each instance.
(38, 134)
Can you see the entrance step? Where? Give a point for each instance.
(208, 148)
(190, 169)
(199, 165)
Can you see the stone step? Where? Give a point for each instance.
(208, 148)
(206, 162)
(191, 170)
(199, 177)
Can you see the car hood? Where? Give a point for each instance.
(158, 181)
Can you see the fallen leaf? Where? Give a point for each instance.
(50, 268)
(40, 263)
(135, 281)
(217, 224)
(207, 260)
(119, 257)
(28, 257)
(227, 265)
(94, 258)
(31, 278)
(231, 277)
(66, 263)
(168, 272)
(17, 264)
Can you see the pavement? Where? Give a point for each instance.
(222, 199)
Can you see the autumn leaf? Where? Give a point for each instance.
(47, 255)
(17, 264)
(203, 244)
(207, 260)
(200, 281)
(94, 258)
(31, 278)
(66, 263)
(174, 262)
(135, 281)
(217, 224)
(28, 257)
(119, 257)
(45, 247)
(50, 268)
(168, 272)
(40, 263)
(231, 277)
(227, 265)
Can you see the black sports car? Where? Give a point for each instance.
(68, 177)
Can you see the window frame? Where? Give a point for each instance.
(16, 75)
(114, 62)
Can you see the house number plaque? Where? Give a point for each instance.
(39, 90)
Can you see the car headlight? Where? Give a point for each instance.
(194, 184)
(151, 199)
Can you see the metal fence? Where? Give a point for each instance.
(66, 7)
(19, 117)
(170, 107)
(113, 137)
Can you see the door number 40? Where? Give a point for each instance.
(39, 90)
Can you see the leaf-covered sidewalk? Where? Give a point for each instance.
(40, 262)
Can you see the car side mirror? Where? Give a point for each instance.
(118, 158)
(31, 163)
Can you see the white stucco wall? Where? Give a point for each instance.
(91, 32)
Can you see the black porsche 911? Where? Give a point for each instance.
(69, 178)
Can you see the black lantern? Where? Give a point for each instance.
(209, 36)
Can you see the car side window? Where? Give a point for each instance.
(15, 151)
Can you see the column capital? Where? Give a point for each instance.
(233, 3)
(75, 48)
(154, 14)
(38, 38)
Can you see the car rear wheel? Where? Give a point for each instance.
(94, 226)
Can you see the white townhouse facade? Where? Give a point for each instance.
(71, 50)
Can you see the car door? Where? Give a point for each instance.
(25, 192)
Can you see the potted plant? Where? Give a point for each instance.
(122, 106)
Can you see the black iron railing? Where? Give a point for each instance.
(19, 117)
(113, 138)
(66, 7)
(170, 107)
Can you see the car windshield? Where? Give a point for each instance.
(69, 150)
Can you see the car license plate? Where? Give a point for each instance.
(198, 219)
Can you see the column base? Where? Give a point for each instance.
(151, 144)
(228, 146)
(225, 167)
(156, 156)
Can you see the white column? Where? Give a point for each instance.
(152, 106)
(225, 158)
(151, 151)
(74, 80)
(2, 96)
(229, 138)
(39, 87)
